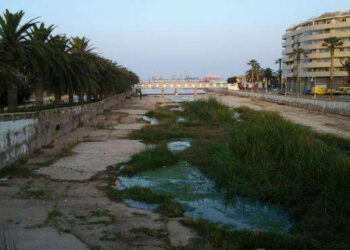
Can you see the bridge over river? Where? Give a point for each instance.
(181, 87)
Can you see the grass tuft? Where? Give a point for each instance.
(53, 215)
(166, 207)
(16, 169)
(149, 159)
(218, 238)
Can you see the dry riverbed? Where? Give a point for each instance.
(63, 205)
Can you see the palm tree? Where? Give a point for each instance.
(332, 43)
(40, 37)
(81, 49)
(14, 43)
(60, 71)
(296, 54)
(254, 71)
(268, 75)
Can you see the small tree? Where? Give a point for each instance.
(232, 79)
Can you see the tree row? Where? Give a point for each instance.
(35, 61)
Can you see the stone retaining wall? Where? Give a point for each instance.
(22, 133)
(335, 107)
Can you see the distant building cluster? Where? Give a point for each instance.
(210, 78)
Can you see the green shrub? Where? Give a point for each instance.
(149, 159)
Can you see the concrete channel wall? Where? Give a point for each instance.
(22, 133)
(335, 107)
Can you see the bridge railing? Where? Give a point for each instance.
(182, 85)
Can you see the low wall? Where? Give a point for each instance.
(335, 107)
(22, 133)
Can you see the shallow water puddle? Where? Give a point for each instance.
(181, 119)
(201, 199)
(140, 205)
(182, 99)
(237, 116)
(151, 120)
(178, 146)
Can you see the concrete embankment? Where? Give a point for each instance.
(335, 107)
(22, 133)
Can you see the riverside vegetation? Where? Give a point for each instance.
(259, 156)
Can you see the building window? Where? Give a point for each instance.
(323, 50)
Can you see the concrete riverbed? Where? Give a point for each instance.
(62, 204)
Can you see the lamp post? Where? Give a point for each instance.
(285, 85)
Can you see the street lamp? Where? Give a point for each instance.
(285, 85)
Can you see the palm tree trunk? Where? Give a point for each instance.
(81, 98)
(332, 71)
(58, 95)
(298, 87)
(39, 92)
(71, 96)
(12, 99)
(88, 97)
(280, 73)
(252, 87)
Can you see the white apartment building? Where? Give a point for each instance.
(310, 36)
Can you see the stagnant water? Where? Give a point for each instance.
(151, 120)
(178, 146)
(201, 199)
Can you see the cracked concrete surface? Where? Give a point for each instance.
(91, 158)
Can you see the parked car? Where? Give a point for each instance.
(343, 90)
(307, 92)
(348, 91)
(332, 91)
(281, 92)
(318, 90)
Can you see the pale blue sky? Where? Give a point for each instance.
(192, 37)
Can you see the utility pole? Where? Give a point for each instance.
(279, 61)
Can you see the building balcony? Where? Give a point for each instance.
(285, 66)
(317, 27)
(287, 59)
(287, 43)
(338, 34)
(317, 74)
(320, 64)
(340, 54)
(319, 45)
(287, 51)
